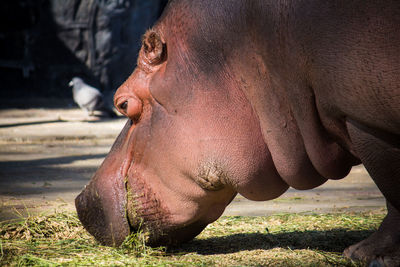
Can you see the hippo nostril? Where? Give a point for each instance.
(124, 106)
(130, 106)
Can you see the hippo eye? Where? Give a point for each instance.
(153, 48)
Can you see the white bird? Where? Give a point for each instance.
(87, 97)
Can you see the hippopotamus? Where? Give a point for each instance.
(251, 98)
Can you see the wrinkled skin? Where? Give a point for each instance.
(251, 97)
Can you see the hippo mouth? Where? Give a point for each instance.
(113, 216)
(146, 214)
(118, 202)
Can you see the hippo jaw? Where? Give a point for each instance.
(112, 215)
(146, 214)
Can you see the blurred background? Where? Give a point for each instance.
(44, 43)
(49, 147)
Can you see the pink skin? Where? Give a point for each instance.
(250, 98)
(163, 131)
(173, 192)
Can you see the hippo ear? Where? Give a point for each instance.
(153, 48)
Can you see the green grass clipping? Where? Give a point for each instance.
(59, 239)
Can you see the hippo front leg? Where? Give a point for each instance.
(380, 153)
(382, 248)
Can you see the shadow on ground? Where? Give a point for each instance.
(49, 161)
(28, 123)
(335, 240)
(87, 120)
(46, 177)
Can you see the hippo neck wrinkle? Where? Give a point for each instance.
(211, 176)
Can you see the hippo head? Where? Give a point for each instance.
(192, 141)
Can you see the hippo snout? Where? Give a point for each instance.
(103, 214)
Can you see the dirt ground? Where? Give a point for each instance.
(47, 155)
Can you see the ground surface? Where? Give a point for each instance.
(283, 240)
(47, 155)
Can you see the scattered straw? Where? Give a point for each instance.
(280, 240)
